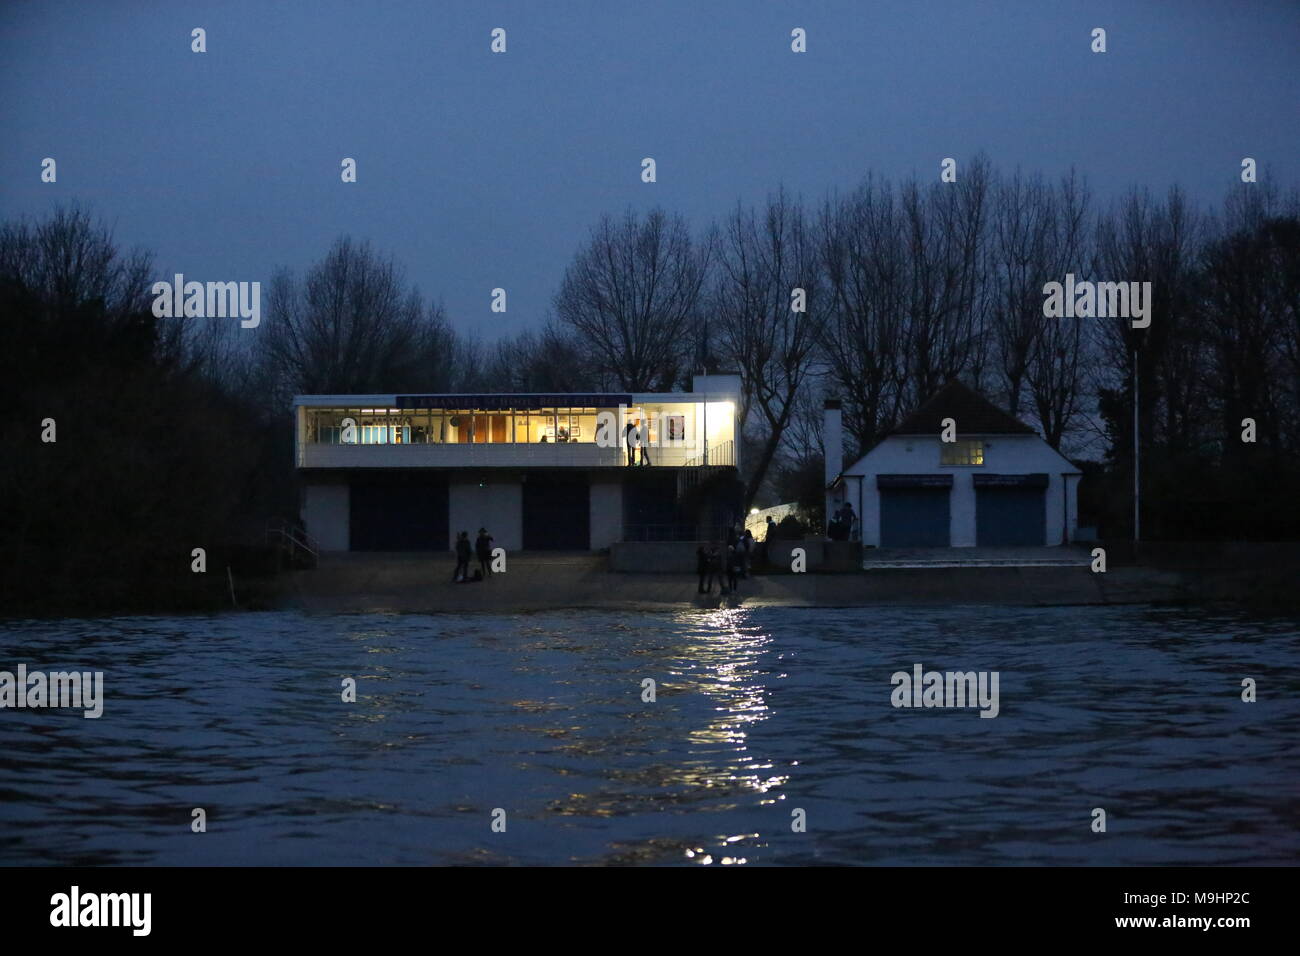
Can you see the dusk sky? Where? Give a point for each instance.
(478, 170)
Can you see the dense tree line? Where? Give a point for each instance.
(175, 432)
(150, 457)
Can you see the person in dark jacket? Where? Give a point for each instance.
(768, 538)
(463, 553)
(702, 569)
(718, 566)
(629, 436)
(483, 549)
(733, 560)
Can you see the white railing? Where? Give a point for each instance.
(720, 453)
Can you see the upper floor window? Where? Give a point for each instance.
(961, 452)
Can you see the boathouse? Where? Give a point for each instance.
(996, 484)
(542, 472)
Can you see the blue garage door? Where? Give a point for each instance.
(1010, 510)
(914, 510)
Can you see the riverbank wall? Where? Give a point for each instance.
(405, 583)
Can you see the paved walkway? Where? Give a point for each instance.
(536, 582)
(1071, 556)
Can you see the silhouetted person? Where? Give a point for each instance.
(629, 436)
(717, 560)
(733, 566)
(483, 548)
(702, 569)
(848, 517)
(746, 552)
(463, 554)
(643, 443)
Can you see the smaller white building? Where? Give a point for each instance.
(998, 484)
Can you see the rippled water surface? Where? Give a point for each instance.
(758, 712)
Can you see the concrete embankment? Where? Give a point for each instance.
(411, 583)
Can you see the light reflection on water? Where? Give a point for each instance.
(758, 713)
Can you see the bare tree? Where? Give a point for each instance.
(768, 300)
(1020, 262)
(630, 295)
(89, 298)
(1059, 360)
(862, 335)
(352, 326)
(547, 360)
(945, 230)
(1251, 309)
(1142, 240)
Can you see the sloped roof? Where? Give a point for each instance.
(973, 413)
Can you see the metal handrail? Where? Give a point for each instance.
(720, 455)
(296, 538)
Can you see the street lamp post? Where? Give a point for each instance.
(1137, 490)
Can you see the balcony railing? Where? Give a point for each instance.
(719, 454)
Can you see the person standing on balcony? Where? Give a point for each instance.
(643, 442)
(462, 557)
(629, 436)
(483, 548)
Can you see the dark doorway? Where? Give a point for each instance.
(557, 513)
(398, 513)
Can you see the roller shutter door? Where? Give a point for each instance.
(914, 510)
(1011, 510)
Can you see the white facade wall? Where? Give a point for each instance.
(325, 511)
(457, 455)
(498, 506)
(1003, 455)
(606, 513)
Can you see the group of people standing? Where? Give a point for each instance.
(843, 527)
(727, 565)
(482, 549)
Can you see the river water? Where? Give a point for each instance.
(761, 717)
